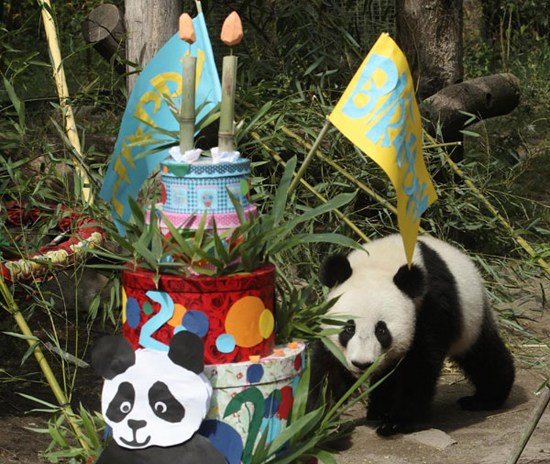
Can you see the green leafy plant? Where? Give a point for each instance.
(207, 251)
(310, 433)
(64, 447)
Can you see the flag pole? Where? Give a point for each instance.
(309, 156)
(63, 93)
(312, 189)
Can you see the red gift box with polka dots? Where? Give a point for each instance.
(234, 315)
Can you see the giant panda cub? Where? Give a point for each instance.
(416, 318)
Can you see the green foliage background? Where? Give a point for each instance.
(294, 63)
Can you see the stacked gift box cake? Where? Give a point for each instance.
(253, 380)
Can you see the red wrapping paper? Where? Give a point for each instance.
(216, 300)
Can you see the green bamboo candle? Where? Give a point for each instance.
(227, 108)
(231, 35)
(187, 109)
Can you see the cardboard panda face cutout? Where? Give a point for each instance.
(150, 397)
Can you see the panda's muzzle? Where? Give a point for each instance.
(362, 366)
(135, 425)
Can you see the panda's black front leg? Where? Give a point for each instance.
(326, 368)
(411, 390)
(389, 419)
(391, 427)
(380, 398)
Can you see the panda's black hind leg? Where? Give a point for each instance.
(490, 367)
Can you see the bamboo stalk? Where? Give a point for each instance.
(187, 115)
(519, 240)
(231, 35)
(227, 106)
(11, 307)
(309, 156)
(63, 94)
(189, 69)
(539, 409)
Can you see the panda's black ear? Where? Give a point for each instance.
(335, 270)
(411, 282)
(187, 350)
(112, 355)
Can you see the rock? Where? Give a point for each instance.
(432, 437)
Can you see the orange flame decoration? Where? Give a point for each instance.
(186, 29)
(232, 30)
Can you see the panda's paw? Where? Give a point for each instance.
(476, 403)
(375, 415)
(387, 429)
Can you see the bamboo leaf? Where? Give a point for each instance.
(21, 336)
(303, 425)
(57, 436)
(279, 202)
(17, 104)
(259, 115)
(325, 457)
(334, 203)
(89, 427)
(301, 395)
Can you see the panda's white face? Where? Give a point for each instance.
(380, 320)
(155, 402)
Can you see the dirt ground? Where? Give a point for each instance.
(457, 437)
(460, 436)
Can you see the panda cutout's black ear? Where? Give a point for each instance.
(187, 350)
(112, 355)
(411, 282)
(336, 269)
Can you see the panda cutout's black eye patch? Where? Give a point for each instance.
(164, 404)
(347, 333)
(122, 403)
(383, 334)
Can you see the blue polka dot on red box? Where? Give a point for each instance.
(196, 322)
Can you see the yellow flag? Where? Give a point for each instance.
(378, 113)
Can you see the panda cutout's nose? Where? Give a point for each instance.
(362, 366)
(136, 424)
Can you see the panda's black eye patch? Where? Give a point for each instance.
(122, 403)
(383, 334)
(347, 333)
(164, 404)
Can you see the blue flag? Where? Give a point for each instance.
(148, 108)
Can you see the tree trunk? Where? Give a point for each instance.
(430, 34)
(485, 97)
(104, 28)
(149, 24)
